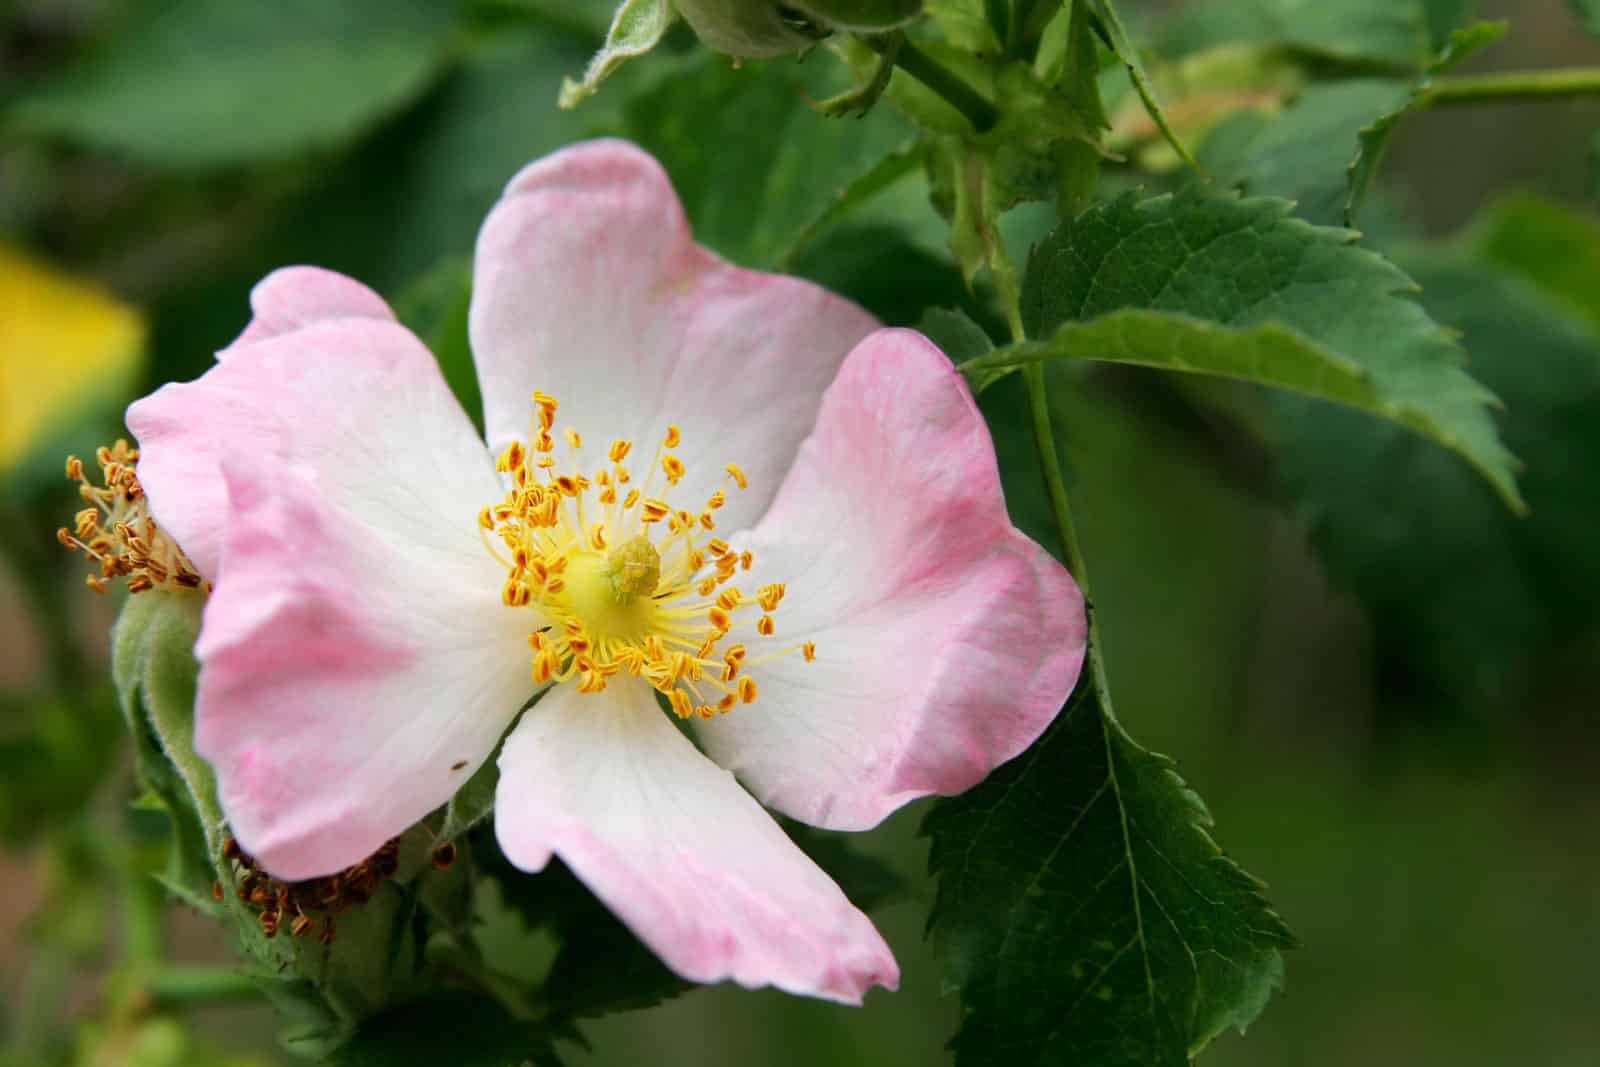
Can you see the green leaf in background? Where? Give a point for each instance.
(1465, 598)
(1390, 33)
(1304, 152)
(209, 83)
(637, 27)
(1589, 12)
(1550, 245)
(435, 308)
(1239, 288)
(768, 152)
(1374, 140)
(1086, 913)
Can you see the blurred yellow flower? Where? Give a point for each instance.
(65, 344)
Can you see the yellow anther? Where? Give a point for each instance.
(619, 450)
(623, 477)
(769, 595)
(674, 435)
(597, 537)
(745, 559)
(729, 598)
(764, 626)
(654, 511)
(544, 442)
(716, 500)
(747, 689)
(631, 499)
(680, 703)
(673, 468)
(511, 458)
(809, 651)
(706, 520)
(705, 588)
(725, 705)
(738, 475)
(574, 439)
(717, 547)
(719, 620)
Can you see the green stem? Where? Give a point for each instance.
(1513, 85)
(1044, 441)
(939, 79)
(197, 984)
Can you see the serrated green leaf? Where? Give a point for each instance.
(637, 27)
(760, 193)
(1128, 54)
(208, 83)
(1374, 139)
(1463, 597)
(1304, 152)
(458, 1028)
(1086, 913)
(1240, 289)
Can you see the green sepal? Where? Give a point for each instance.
(637, 27)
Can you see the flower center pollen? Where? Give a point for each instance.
(620, 580)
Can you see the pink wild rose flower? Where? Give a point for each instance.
(708, 489)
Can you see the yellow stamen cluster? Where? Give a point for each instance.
(621, 581)
(117, 531)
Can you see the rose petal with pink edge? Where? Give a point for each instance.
(293, 298)
(346, 688)
(677, 849)
(355, 404)
(587, 286)
(946, 640)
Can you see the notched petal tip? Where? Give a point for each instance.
(292, 298)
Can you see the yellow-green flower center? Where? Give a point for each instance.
(621, 582)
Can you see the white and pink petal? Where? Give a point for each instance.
(346, 688)
(946, 641)
(587, 286)
(676, 849)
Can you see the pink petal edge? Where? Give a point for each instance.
(946, 639)
(588, 286)
(673, 846)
